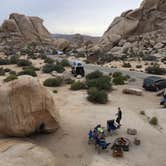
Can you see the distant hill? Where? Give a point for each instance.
(71, 37)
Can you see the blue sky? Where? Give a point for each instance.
(70, 16)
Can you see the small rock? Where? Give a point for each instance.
(137, 141)
(133, 91)
(131, 131)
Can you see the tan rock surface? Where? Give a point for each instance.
(145, 25)
(24, 154)
(20, 30)
(26, 106)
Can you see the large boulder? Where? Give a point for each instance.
(144, 23)
(17, 153)
(62, 44)
(20, 30)
(26, 107)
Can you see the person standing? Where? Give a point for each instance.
(119, 116)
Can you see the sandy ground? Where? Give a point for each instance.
(144, 64)
(69, 144)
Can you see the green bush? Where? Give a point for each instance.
(126, 65)
(28, 71)
(97, 96)
(94, 75)
(13, 59)
(101, 83)
(117, 74)
(164, 105)
(142, 113)
(7, 70)
(53, 82)
(155, 69)
(31, 67)
(119, 80)
(2, 71)
(59, 68)
(149, 58)
(11, 77)
(153, 121)
(69, 81)
(4, 61)
(12, 72)
(78, 85)
(65, 63)
(49, 60)
(55, 91)
(138, 66)
(48, 68)
(23, 62)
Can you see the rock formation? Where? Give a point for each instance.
(26, 107)
(20, 30)
(17, 153)
(142, 29)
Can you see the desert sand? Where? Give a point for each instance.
(69, 144)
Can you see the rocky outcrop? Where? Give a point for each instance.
(26, 107)
(62, 44)
(17, 153)
(20, 30)
(142, 28)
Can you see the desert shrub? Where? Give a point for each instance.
(12, 72)
(69, 81)
(116, 74)
(163, 59)
(153, 121)
(138, 66)
(126, 65)
(78, 85)
(4, 61)
(11, 77)
(101, 83)
(28, 71)
(149, 58)
(23, 62)
(164, 105)
(13, 59)
(119, 80)
(94, 75)
(97, 96)
(2, 71)
(65, 63)
(55, 91)
(53, 82)
(48, 68)
(59, 68)
(7, 70)
(155, 69)
(31, 67)
(142, 112)
(48, 60)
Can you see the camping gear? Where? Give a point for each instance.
(101, 144)
(117, 152)
(137, 141)
(112, 125)
(131, 131)
(122, 142)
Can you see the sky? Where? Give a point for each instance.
(91, 17)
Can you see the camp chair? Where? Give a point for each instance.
(111, 126)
